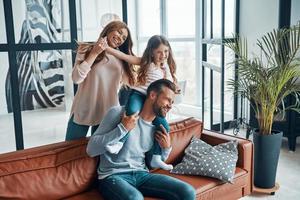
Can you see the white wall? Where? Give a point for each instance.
(295, 12)
(257, 17)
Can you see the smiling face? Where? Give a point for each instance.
(163, 102)
(117, 37)
(160, 54)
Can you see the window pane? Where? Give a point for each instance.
(181, 24)
(2, 24)
(132, 23)
(46, 92)
(214, 54)
(207, 97)
(148, 17)
(208, 19)
(141, 47)
(93, 16)
(229, 18)
(216, 97)
(41, 21)
(216, 19)
(228, 94)
(7, 132)
(184, 55)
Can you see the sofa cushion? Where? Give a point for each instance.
(214, 161)
(92, 194)
(181, 134)
(201, 183)
(49, 172)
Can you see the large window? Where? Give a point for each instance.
(195, 30)
(37, 49)
(7, 136)
(219, 23)
(41, 21)
(93, 15)
(149, 18)
(181, 22)
(2, 24)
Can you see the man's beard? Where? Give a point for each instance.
(158, 111)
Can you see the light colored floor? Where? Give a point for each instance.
(49, 126)
(288, 174)
(39, 128)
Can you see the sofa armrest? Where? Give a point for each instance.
(245, 151)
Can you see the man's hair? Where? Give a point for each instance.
(159, 84)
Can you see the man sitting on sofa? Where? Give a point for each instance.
(125, 175)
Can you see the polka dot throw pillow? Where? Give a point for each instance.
(214, 161)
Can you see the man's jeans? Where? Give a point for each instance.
(136, 184)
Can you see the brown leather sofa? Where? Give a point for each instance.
(64, 171)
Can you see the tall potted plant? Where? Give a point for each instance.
(266, 80)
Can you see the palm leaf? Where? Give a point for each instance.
(266, 80)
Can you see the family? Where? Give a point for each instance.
(129, 138)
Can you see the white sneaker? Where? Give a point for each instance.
(114, 148)
(156, 162)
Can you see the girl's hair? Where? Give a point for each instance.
(147, 58)
(126, 47)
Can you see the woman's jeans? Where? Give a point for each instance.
(136, 184)
(77, 131)
(135, 104)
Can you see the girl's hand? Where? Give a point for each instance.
(100, 46)
(178, 90)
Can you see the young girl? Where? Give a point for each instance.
(156, 63)
(99, 76)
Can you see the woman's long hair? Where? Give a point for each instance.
(126, 47)
(147, 58)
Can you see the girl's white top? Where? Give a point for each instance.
(154, 73)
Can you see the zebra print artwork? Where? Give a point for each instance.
(40, 73)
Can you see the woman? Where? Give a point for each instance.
(99, 76)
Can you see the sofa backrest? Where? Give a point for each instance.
(181, 134)
(64, 169)
(48, 172)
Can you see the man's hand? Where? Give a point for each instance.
(163, 138)
(129, 122)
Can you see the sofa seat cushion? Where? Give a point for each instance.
(201, 183)
(92, 194)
